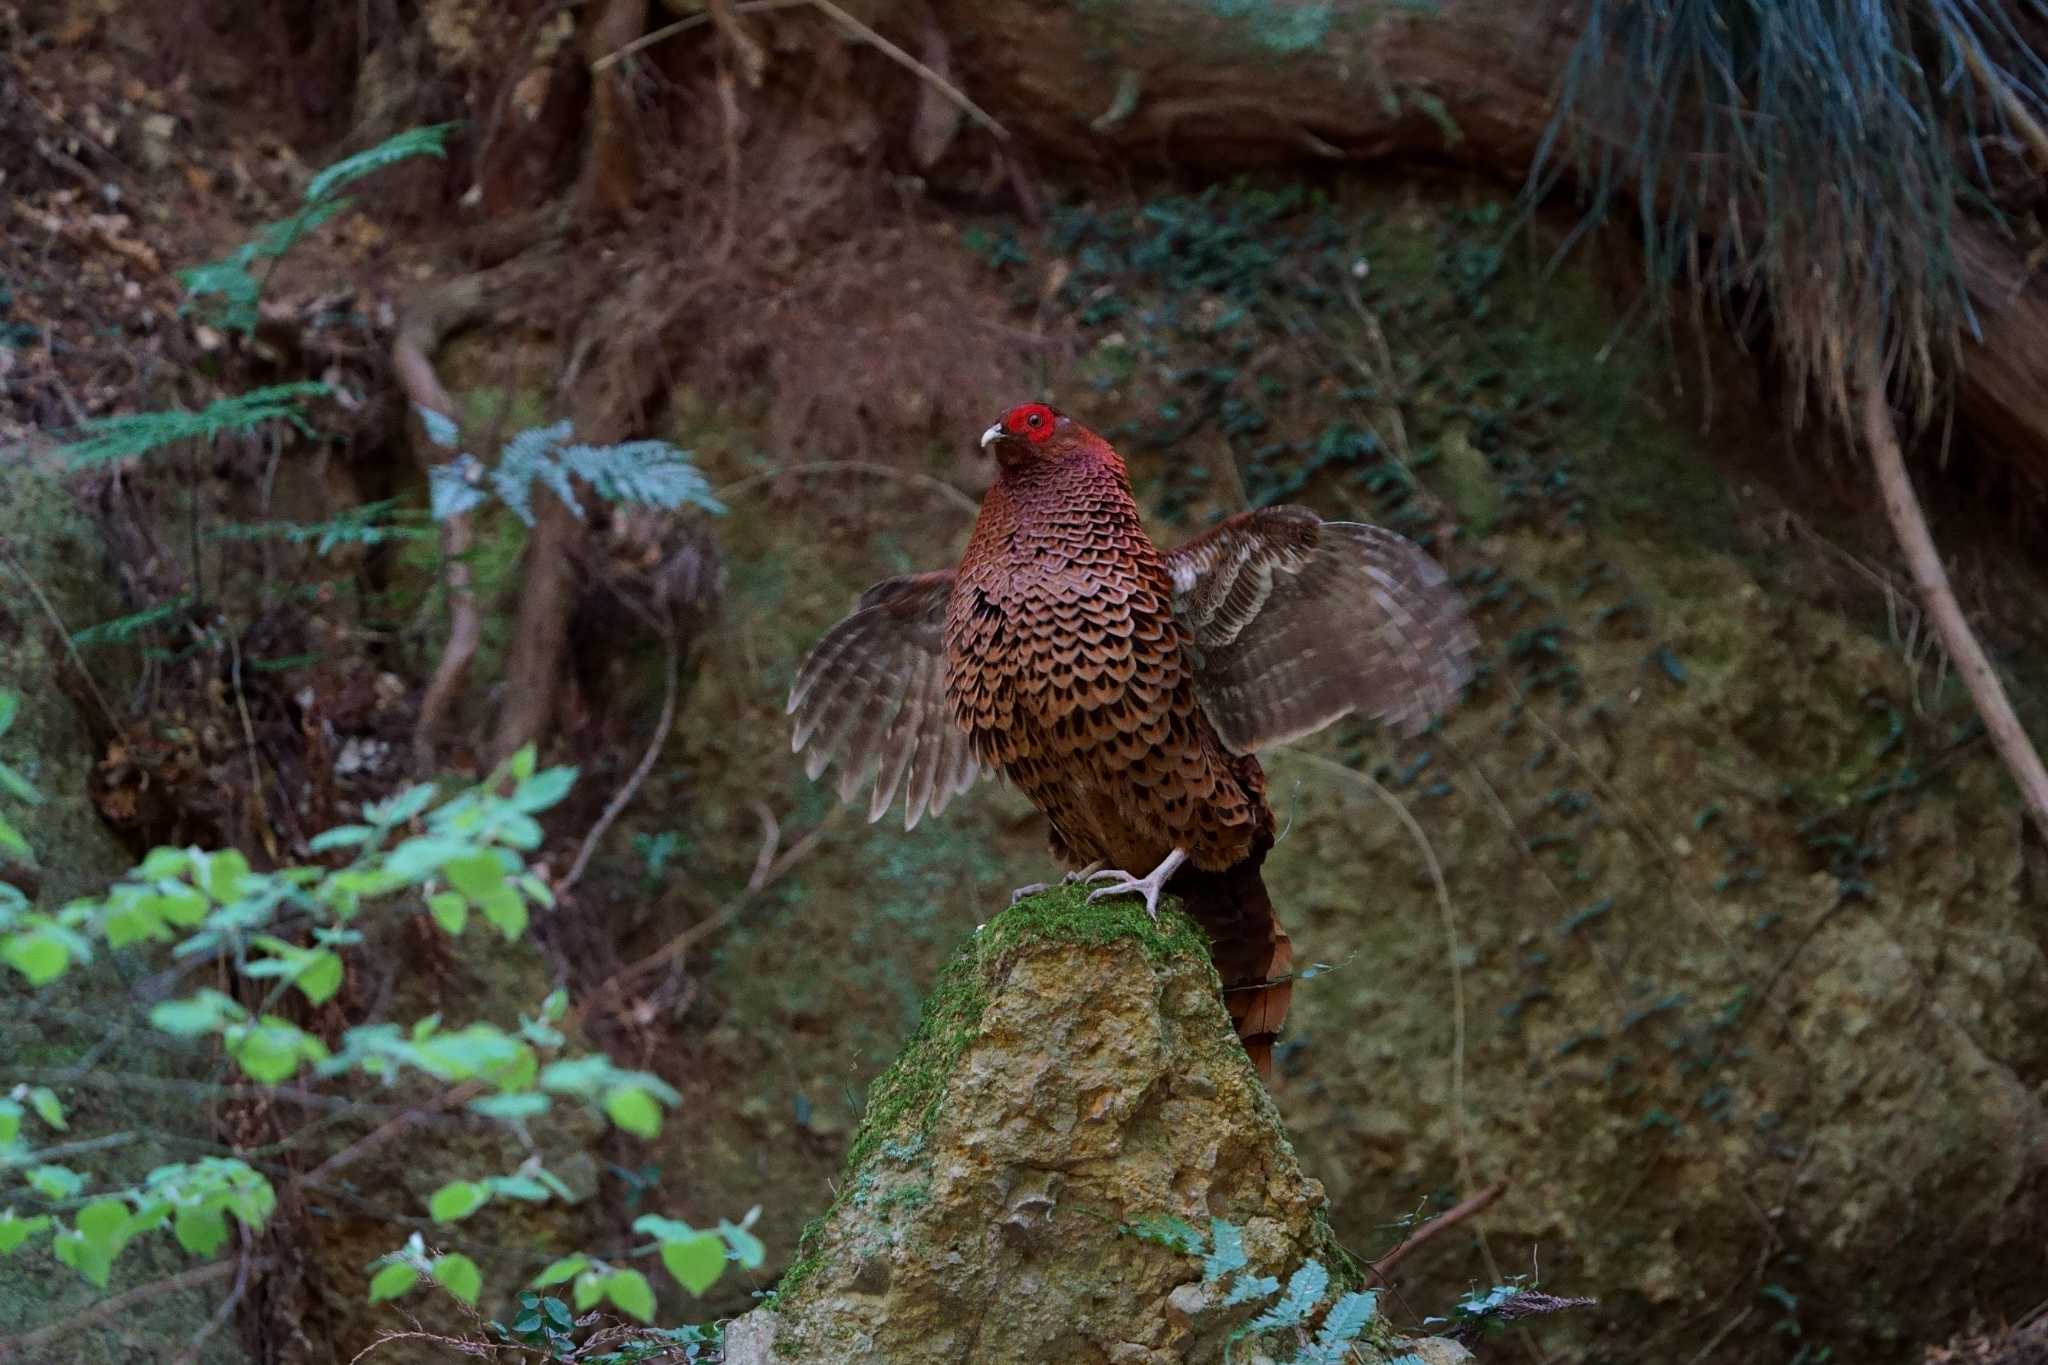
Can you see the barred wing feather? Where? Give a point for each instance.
(871, 696)
(1296, 621)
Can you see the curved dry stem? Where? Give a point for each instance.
(1930, 576)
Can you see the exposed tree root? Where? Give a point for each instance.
(1909, 524)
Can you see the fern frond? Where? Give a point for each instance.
(373, 523)
(648, 473)
(524, 459)
(1340, 1330)
(123, 629)
(1250, 1289)
(1304, 1290)
(455, 487)
(1163, 1229)
(431, 140)
(1226, 1253)
(121, 438)
(645, 473)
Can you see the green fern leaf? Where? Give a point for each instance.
(428, 141)
(108, 439)
(1304, 1290)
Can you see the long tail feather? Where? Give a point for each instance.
(1252, 952)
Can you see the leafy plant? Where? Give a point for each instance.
(291, 931)
(1329, 1341)
(646, 473)
(230, 293)
(107, 439)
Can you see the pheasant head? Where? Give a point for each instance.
(1034, 438)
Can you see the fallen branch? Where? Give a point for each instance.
(448, 309)
(671, 681)
(18, 1347)
(1435, 1225)
(1973, 666)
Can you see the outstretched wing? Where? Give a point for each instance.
(871, 696)
(1296, 621)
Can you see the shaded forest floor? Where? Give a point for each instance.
(1737, 912)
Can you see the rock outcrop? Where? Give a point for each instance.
(1074, 1071)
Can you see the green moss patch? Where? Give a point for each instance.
(909, 1092)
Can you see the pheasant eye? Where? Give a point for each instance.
(1036, 419)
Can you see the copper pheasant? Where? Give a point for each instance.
(1126, 691)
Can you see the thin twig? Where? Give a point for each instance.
(1450, 924)
(624, 795)
(15, 1348)
(1435, 1225)
(70, 645)
(412, 1117)
(190, 1355)
(1459, 1124)
(904, 59)
(618, 981)
(879, 471)
(667, 31)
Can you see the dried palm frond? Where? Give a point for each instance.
(1810, 153)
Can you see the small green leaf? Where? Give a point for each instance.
(555, 1006)
(391, 1281)
(182, 905)
(561, 1270)
(38, 955)
(589, 1289)
(11, 840)
(10, 1121)
(629, 1290)
(320, 977)
(200, 1231)
(518, 1187)
(517, 1106)
(21, 787)
(449, 910)
(104, 1223)
(456, 1201)
(558, 1313)
(94, 1260)
(696, 1261)
(634, 1110)
(15, 1230)
(45, 1103)
(55, 1182)
(522, 765)
(505, 910)
(401, 807)
(476, 875)
(459, 1276)
(746, 1247)
(341, 836)
(202, 1013)
(543, 789)
(10, 703)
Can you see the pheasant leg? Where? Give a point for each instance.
(1149, 886)
(1081, 874)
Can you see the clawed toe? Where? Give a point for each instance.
(1024, 892)
(1129, 886)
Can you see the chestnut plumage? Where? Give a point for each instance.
(1126, 691)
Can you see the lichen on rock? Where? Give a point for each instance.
(1073, 1070)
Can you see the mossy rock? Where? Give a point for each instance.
(1073, 1070)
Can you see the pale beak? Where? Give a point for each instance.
(992, 435)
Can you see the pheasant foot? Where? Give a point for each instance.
(1149, 886)
(1078, 875)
